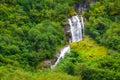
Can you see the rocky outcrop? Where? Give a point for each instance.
(79, 7)
(67, 32)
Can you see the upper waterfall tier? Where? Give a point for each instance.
(76, 27)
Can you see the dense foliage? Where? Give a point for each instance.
(103, 23)
(31, 31)
(105, 68)
(91, 61)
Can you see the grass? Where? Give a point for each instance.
(57, 76)
(13, 73)
(89, 49)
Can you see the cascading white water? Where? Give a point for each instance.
(62, 53)
(76, 28)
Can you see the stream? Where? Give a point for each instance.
(76, 25)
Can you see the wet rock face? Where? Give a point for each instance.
(67, 32)
(47, 63)
(54, 60)
(83, 6)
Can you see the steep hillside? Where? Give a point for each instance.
(103, 23)
(31, 31)
(91, 61)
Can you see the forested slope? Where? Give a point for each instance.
(97, 57)
(103, 23)
(32, 31)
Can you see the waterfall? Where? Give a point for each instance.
(62, 53)
(76, 28)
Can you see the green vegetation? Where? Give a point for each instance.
(103, 23)
(13, 73)
(93, 62)
(31, 31)
(57, 76)
(89, 48)
(99, 59)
